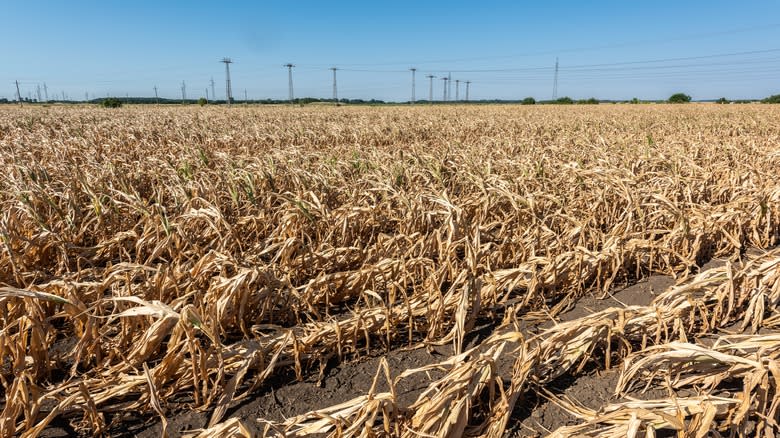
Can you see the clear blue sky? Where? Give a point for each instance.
(506, 48)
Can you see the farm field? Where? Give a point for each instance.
(492, 271)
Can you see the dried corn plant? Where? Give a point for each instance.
(154, 255)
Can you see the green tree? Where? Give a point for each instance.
(679, 98)
(111, 102)
(566, 100)
(202, 101)
(772, 99)
(722, 101)
(528, 101)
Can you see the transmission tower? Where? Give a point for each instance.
(207, 94)
(335, 87)
(156, 99)
(457, 88)
(430, 91)
(86, 95)
(467, 90)
(290, 81)
(555, 81)
(449, 86)
(45, 92)
(38, 91)
(18, 94)
(444, 93)
(228, 89)
(246, 99)
(414, 70)
(183, 92)
(213, 93)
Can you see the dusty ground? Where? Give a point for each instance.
(284, 397)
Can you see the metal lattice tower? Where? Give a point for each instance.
(430, 92)
(555, 81)
(45, 92)
(228, 89)
(18, 94)
(444, 93)
(414, 70)
(467, 90)
(213, 93)
(246, 98)
(457, 90)
(183, 92)
(335, 86)
(290, 81)
(207, 94)
(38, 91)
(156, 98)
(449, 86)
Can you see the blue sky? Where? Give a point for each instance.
(507, 49)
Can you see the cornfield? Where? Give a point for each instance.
(158, 260)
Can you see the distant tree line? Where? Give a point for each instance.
(112, 101)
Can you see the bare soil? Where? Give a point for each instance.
(284, 397)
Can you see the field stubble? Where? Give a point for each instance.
(154, 255)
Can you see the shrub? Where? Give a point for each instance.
(679, 98)
(202, 101)
(564, 101)
(635, 101)
(528, 101)
(722, 101)
(591, 101)
(772, 99)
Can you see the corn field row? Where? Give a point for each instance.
(153, 254)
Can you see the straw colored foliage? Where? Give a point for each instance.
(154, 255)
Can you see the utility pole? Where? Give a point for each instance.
(156, 99)
(457, 88)
(414, 70)
(444, 93)
(555, 81)
(335, 88)
(213, 93)
(183, 92)
(45, 92)
(430, 91)
(290, 81)
(18, 94)
(467, 90)
(228, 89)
